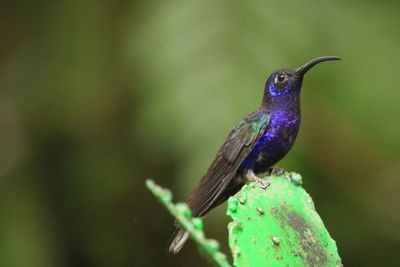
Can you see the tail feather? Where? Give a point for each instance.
(180, 236)
(178, 239)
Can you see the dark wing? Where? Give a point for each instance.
(214, 183)
(236, 148)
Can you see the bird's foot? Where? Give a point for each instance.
(274, 170)
(250, 176)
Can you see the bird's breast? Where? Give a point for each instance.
(276, 141)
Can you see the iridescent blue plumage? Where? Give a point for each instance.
(257, 143)
(276, 141)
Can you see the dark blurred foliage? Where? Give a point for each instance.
(96, 96)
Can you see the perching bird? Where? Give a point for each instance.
(255, 145)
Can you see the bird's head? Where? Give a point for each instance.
(288, 81)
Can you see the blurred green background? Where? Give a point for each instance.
(97, 96)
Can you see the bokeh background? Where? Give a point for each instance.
(97, 96)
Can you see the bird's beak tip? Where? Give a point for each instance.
(306, 67)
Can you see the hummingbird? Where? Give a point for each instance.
(253, 146)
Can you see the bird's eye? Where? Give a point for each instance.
(280, 78)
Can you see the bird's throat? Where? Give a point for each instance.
(288, 102)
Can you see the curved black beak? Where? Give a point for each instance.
(306, 67)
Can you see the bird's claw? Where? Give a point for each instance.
(275, 171)
(250, 176)
(264, 184)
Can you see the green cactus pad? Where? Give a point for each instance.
(194, 226)
(278, 226)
